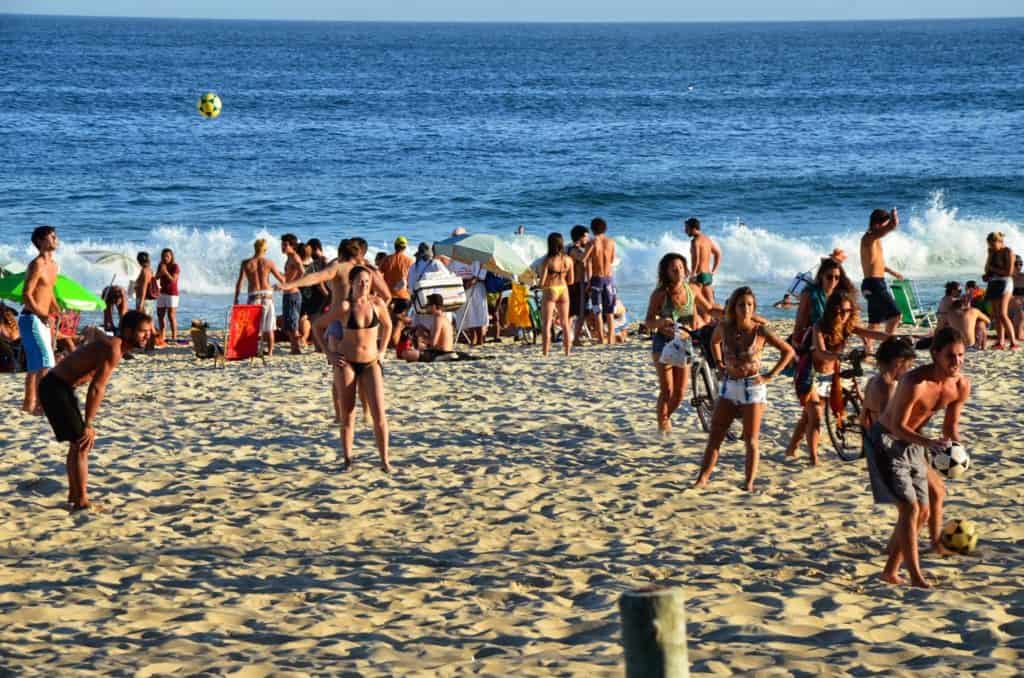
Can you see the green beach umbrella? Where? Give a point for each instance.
(495, 254)
(71, 296)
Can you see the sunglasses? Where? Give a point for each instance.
(845, 311)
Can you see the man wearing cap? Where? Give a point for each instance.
(395, 269)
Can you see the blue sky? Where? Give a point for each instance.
(525, 10)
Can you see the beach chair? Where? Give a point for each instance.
(243, 337)
(203, 346)
(908, 302)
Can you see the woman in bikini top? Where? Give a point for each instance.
(357, 365)
(741, 352)
(556, 276)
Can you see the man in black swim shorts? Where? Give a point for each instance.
(882, 307)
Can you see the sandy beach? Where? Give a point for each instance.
(527, 495)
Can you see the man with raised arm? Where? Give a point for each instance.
(38, 303)
(93, 362)
(600, 256)
(882, 307)
(256, 271)
(705, 258)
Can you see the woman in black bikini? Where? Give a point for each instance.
(364, 325)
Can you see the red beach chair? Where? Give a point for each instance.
(243, 340)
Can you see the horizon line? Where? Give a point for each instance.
(516, 21)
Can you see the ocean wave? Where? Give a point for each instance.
(933, 243)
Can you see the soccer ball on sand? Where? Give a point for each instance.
(960, 536)
(209, 105)
(952, 462)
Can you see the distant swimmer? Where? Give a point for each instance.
(93, 362)
(882, 307)
(256, 271)
(705, 258)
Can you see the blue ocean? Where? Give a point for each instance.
(780, 137)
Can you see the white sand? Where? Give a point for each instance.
(527, 495)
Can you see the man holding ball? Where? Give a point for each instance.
(899, 456)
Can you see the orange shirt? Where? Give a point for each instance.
(395, 269)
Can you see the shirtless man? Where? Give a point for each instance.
(256, 271)
(291, 297)
(38, 303)
(882, 307)
(899, 453)
(968, 321)
(600, 256)
(580, 275)
(93, 362)
(705, 257)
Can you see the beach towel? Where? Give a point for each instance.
(518, 310)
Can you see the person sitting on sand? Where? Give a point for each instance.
(900, 453)
(676, 304)
(737, 344)
(441, 344)
(556, 276)
(365, 326)
(820, 355)
(952, 294)
(93, 362)
(621, 335)
(895, 357)
(10, 339)
(115, 300)
(970, 322)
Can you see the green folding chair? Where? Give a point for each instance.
(908, 300)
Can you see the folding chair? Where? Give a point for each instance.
(243, 334)
(908, 301)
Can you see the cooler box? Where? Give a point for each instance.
(448, 285)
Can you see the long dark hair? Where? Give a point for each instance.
(829, 264)
(663, 266)
(833, 329)
(167, 250)
(556, 245)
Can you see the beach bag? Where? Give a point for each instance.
(677, 353)
(445, 283)
(495, 284)
(153, 290)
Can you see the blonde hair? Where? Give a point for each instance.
(260, 247)
(995, 236)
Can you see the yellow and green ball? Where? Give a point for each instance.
(960, 536)
(209, 105)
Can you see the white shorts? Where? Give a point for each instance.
(167, 301)
(149, 306)
(268, 318)
(744, 391)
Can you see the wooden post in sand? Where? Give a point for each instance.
(654, 633)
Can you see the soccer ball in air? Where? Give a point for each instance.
(952, 462)
(209, 105)
(960, 536)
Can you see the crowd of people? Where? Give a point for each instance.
(354, 311)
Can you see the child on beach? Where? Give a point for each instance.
(899, 453)
(737, 343)
(895, 357)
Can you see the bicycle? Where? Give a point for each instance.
(704, 380)
(844, 421)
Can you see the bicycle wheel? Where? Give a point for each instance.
(845, 431)
(703, 385)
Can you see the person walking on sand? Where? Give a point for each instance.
(556, 276)
(820, 357)
(38, 303)
(737, 344)
(256, 271)
(999, 276)
(600, 256)
(167, 274)
(93, 362)
(900, 453)
(895, 357)
(291, 296)
(364, 324)
(882, 309)
(829, 278)
(705, 258)
(676, 305)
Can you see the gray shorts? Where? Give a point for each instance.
(898, 470)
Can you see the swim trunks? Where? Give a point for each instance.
(268, 317)
(744, 391)
(881, 305)
(705, 279)
(577, 303)
(61, 407)
(898, 469)
(602, 294)
(36, 342)
(291, 311)
(430, 355)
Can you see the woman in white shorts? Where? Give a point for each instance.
(737, 344)
(167, 274)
